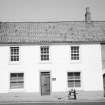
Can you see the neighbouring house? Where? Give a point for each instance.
(53, 57)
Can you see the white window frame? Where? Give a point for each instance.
(14, 62)
(75, 61)
(16, 80)
(46, 54)
(14, 56)
(74, 79)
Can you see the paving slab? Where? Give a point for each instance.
(32, 97)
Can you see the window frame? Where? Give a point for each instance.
(15, 55)
(75, 53)
(16, 81)
(9, 56)
(74, 79)
(44, 56)
(75, 61)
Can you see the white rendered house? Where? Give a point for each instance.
(52, 57)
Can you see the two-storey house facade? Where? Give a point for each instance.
(52, 57)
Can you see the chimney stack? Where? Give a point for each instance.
(87, 15)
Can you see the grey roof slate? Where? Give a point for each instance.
(52, 32)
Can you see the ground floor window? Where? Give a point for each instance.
(16, 80)
(74, 79)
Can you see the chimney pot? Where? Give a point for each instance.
(88, 15)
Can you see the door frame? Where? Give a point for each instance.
(40, 81)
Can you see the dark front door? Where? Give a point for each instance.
(45, 83)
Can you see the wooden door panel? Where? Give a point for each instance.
(45, 83)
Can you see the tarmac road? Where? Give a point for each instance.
(78, 103)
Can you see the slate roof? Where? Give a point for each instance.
(52, 32)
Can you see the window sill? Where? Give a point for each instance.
(14, 63)
(44, 62)
(16, 90)
(77, 88)
(75, 61)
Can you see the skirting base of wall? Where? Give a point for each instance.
(54, 96)
(59, 95)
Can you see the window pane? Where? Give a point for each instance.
(77, 75)
(70, 75)
(70, 83)
(20, 74)
(15, 85)
(13, 75)
(47, 56)
(77, 83)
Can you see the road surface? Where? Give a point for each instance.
(77, 103)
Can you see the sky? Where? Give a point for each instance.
(50, 10)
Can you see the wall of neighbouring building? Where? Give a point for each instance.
(103, 57)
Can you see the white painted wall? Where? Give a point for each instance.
(92, 67)
(59, 64)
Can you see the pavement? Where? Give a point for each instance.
(36, 98)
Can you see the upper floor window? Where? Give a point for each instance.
(75, 53)
(74, 79)
(44, 53)
(14, 51)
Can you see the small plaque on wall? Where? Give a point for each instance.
(53, 79)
